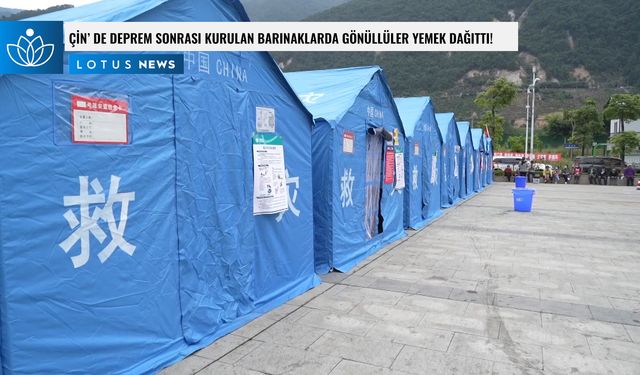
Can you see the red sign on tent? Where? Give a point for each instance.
(389, 165)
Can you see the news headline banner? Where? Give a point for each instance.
(290, 36)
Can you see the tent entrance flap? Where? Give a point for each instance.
(373, 220)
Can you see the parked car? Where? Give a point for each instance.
(609, 163)
(501, 162)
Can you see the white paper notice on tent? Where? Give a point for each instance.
(265, 120)
(348, 140)
(269, 176)
(400, 171)
(434, 169)
(455, 165)
(99, 120)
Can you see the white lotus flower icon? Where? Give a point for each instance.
(30, 53)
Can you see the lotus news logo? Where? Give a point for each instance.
(30, 51)
(31, 47)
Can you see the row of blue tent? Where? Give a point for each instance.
(356, 209)
(125, 258)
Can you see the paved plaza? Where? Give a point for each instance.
(483, 290)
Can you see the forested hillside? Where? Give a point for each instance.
(581, 48)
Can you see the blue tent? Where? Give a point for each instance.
(479, 159)
(466, 157)
(450, 182)
(422, 197)
(124, 258)
(358, 142)
(487, 163)
(489, 156)
(411, 112)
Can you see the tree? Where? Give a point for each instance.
(516, 143)
(625, 141)
(586, 123)
(497, 96)
(495, 124)
(558, 126)
(623, 107)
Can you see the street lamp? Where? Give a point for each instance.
(533, 108)
(526, 129)
(622, 107)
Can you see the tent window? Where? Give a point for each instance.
(375, 158)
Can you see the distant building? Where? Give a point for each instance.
(629, 126)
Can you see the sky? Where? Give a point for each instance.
(40, 4)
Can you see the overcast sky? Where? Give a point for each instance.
(40, 4)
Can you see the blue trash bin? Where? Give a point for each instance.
(521, 181)
(523, 199)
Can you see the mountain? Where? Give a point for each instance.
(21, 14)
(8, 11)
(580, 47)
(286, 10)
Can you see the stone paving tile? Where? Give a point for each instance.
(515, 290)
(434, 339)
(187, 366)
(337, 322)
(420, 361)
(634, 333)
(565, 297)
(625, 304)
(615, 349)
(346, 367)
(306, 297)
(370, 295)
(585, 326)
(238, 353)
(373, 311)
(386, 271)
(430, 304)
(473, 326)
(281, 312)
(221, 347)
(334, 277)
(615, 316)
(391, 285)
(355, 280)
(294, 335)
(331, 302)
(472, 296)
(508, 369)
(565, 339)
(277, 359)
(563, 308)
(431, 290)
(531, 318)
(220, 368)
(571, 363)
(516, 353)
(367, 350)
(297, 314)
(518, 302)
(449, 283)
(428, 272)
(254, 327)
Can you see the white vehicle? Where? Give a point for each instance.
(501, 162)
